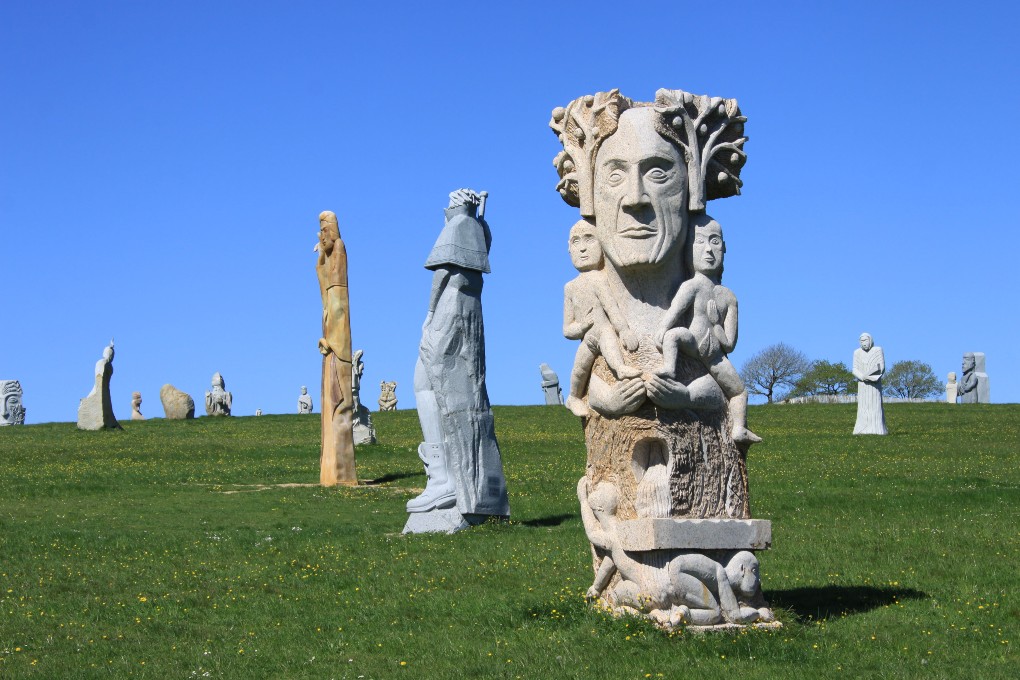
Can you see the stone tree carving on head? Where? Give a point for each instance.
(662, 407)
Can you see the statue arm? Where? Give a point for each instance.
(726, 333)
(439, 280)
(616, 318)
(573, 328)
(681, 303)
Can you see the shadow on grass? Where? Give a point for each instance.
(550, 521)
(823, 602)
(391, 477)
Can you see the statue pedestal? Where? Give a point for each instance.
(695, 534)
(447, 521)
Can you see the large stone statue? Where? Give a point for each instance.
(336, 463)
(12, 410)
(664, 498)
(177, 405)
(364, 431)
(869, 367)
(136, 406)
(461, 455)
(952, 388)
(304, 402)
(95, 411)
(218, 401)
(974, 384)
(550, 386)
(387, 395)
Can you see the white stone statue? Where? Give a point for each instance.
(304, 402)
(12, 409)
(951, 388)
(387, 395)
(95, 412)
(364, 431)
(218, 401)
(461, 455)
(136, 406)
(550, 386)
(258, 412)
(869, 367)
(664, 412)
(974, 385)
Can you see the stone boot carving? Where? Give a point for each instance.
(439, 490)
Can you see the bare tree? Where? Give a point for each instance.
(772, 369)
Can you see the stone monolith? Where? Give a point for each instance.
(177, 405)
(95, 412)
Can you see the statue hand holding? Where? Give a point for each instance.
(623, 397)
(630, 340)
(324, 347)
(667, 393)
(712, 312)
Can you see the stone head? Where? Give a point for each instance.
(866, 342)
(969, 362)
(707, 246)
(742, 571)
(304, 390)
(329, 231)
(108, 352)
(585, 251)
(604, 500)
(217, 380)
(10, 400)
(952, 376)
(136, 397)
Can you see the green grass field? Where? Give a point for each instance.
(204, 549)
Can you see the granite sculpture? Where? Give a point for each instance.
(465, 482)
(952, 388)
(217, 400)
(258, 412)
(95, 412)
(136, 406)
(364, 431)
(869, 367)
(304, 402)
(664, 498)
(974, 384)
(551, 386)
(12, 408)
(177, 405)
(387, 395)
(336, 461)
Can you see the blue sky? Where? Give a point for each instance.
(162, 167)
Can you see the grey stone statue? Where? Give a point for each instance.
(218, 401)
(136, 406)
(461, 455)
(95, 412)
(387, 395)
(551, 386)
(12, 409)
(869, 367)
(364, 431)
(952, 388)
(974, 384)
(304, 402)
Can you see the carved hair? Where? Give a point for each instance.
(464, 196)
(708, 130)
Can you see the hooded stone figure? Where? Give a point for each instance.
(460, 451)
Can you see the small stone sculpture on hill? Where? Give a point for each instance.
(364, 431)
(218, 401)
(869, 367)
(951, 388)
(304, 402)
(95, 412)
(136, 405)
(974, 385)
(177, 405)
(12, 409)
(550, 386)
(388, 395)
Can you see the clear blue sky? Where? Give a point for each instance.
(162, 167)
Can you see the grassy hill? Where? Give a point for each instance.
(205, 549)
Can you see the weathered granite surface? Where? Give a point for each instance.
(974, 385)
(869, 367)
(177, 405)
(95, 412)
(12, 408)
(662, 408)
(217, 400)
(388, 395)
(136, 406)
(304, 402)
(460, 451)
(364, 431)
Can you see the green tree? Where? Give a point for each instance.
(772, 369)
(825, 377)
(912, 380)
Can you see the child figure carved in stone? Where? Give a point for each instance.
(712, 333)
(587, 318)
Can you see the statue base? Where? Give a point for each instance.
(447, 521)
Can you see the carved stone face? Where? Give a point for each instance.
(866, 342)
(585, 251)
(709, 248)
(12, 406)
(640, 193)
(968, 362)
(952, 376)
(304, 390)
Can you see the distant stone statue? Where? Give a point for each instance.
(364, 431)
(551, 386)
(12, 410)
(974, 385)
(336, 462)
(177, 405)
(952, 388)
(258, 412)
(304, 402)
(460, 452)
(136, 405)
(869, 367)
(95, 412)
(388, 395)
(217, 400)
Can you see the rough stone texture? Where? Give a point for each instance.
(662, 407)
(695, 534)
(449, 379)
(336, 462)
(95, 412)
(136, 405)
(177, 405)
(304, 402)
(951, 388)
(12, 408)
(388, 395)
(869, 367)
(364, 431)
(974, 386)
(550, 386)
(217, 400)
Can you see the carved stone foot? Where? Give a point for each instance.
(742, 435)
